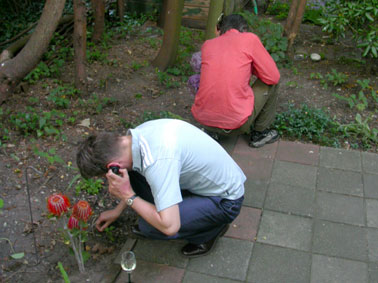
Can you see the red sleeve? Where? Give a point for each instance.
(263, 65)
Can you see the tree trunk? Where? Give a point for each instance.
(79, 42)
(294, 20)
(291, 16)
(228, 7)
(172, 25)
(17, 45)
(14, 70)
(99, 19)
(163, 14)
(121, 9)
(216, 8)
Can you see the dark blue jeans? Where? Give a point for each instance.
(202, 217)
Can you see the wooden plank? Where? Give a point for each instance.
(195, 12)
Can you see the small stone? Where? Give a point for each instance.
(315, 57)
(298, 57)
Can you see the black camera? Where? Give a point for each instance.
(115, 169)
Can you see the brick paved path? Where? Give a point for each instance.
(310, 215)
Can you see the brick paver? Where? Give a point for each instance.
(310, 214)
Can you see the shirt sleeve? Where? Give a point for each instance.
(164, 179)
(263, 65)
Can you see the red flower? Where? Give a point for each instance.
(58, 204)
(82, 210)
(73, 223)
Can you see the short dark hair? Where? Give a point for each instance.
(234, 21)
(95, 153)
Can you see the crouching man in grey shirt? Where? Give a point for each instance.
(181, 182)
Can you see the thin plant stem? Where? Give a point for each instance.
(73, 243)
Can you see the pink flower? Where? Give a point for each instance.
(73, 223)
(58, 204)
(82, 210)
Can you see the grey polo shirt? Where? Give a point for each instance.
(174, 155)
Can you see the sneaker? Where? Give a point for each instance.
(259, 139)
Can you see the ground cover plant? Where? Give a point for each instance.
(332, 102)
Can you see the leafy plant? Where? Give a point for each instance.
(309, 124)
(32, 121)
(109, 233)
(359, 101)
(336, 78)
(166, 80)
(136, 66)
(279, 9)
(90, 186)
(51, 156)
(312, 13)
(14, 255)
(96, 103)
(60, 96)
(270, 35)
(361, 131)
(41, 71)
(95, 54)
(359, 17)
(63, 272)
(320, 77)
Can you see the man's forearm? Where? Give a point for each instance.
(121, 206)
(167, 222)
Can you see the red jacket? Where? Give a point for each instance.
(225, 99)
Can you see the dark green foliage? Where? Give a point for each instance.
(361, 132)
(270, 35)
(309, 124)
(91, 186)
(358, 17)
(166, 80)
(279, 9)
(50, 156)
(365, 97)
(96, 104)
(17, 17)
(62, 95)
(36, 122)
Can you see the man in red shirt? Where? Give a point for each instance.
(225, 103)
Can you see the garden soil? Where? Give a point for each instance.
(136, 92)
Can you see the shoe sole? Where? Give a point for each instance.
(268, 142)
(221, 233)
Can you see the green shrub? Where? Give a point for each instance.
(361, 100)
(361, 132)
(270, 35)
(309, 124)
(33, 122)
(359, 17)
(90, 186)
(61, 95)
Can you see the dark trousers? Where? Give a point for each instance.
(202, 217)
